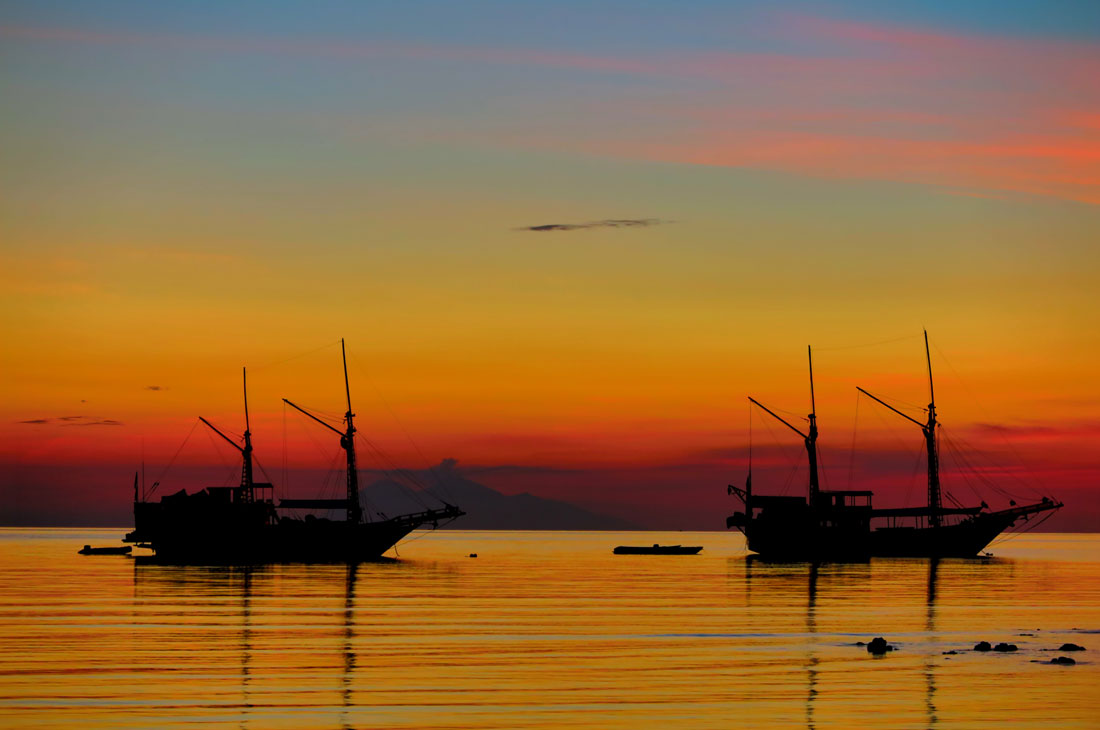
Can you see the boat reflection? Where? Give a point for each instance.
(210, 601)
(825, 605)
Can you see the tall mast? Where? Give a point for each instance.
(935, 500)
(811, 437)
(347, 441)
(247, 492)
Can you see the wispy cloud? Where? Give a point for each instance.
(74, 421)
(606, 223)
(965, 112)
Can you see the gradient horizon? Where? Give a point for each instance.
(187, 190)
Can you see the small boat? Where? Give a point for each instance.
(89, 550)
(657, 549)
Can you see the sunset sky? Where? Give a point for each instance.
(563, 241)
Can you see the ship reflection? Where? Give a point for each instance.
(767, 583)
(930, 627)
(226, 594)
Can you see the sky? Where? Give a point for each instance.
(563, 242)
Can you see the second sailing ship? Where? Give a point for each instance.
(843, 524)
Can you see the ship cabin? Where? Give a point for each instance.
(848, 508)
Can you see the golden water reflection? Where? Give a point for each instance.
(542, 630)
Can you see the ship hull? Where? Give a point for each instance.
(189, 530)
(964, 540)
(298, 542)
(802, 540)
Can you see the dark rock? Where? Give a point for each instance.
(951, 652)
(1025, 634)
(1062, 660)
(473, 555)
(982, 646)
(1071, 647)
(878, 645)
(1006, 647)
(861, 643)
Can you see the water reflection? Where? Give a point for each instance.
(543, 630)
(769, 582)
(349, 642)
(930, 627)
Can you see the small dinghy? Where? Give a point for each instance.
(89, 550)
(657, 549)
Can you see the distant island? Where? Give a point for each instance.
(486, 508)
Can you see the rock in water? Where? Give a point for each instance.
(982, 646)
(1071, 647)
(1006, 647)
(1062, 660)
(878, 645)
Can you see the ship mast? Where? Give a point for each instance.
(347, 443)
(355, 513)
(935, 497)
(935, 500)
(809, 439)
(245, 493)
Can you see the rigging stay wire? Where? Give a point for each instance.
(428, 466)
(296, 356)
(866, 344)
(157, 481)
(852, 453)
(974, 402)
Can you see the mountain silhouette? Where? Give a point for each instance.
(486, 508)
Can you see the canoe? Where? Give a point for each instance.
(89, 550)
(657, 549)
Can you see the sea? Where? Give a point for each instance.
(548, 629)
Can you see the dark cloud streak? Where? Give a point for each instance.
(606, 223)
(75, 421)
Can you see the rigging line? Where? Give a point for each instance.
(286, 479)
(1034, 492)
(393, 414)
(964, 468)
(394, 472)
(221, 456)
(866, 344)
(157, 481)
(906, 405)
(852, 453)
(980, 473)
(750, 437)
(294, 357)
(975, 402)
(262, 470)
(913, 474)
(1012, 534)
(821, 470)
(424, 533)
(786, 449)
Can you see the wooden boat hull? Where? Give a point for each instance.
(204, 536)
(657, 550)
(800, 535)
(89, 550)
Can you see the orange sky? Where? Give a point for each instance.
(183, 197)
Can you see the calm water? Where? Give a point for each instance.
(545, 629)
